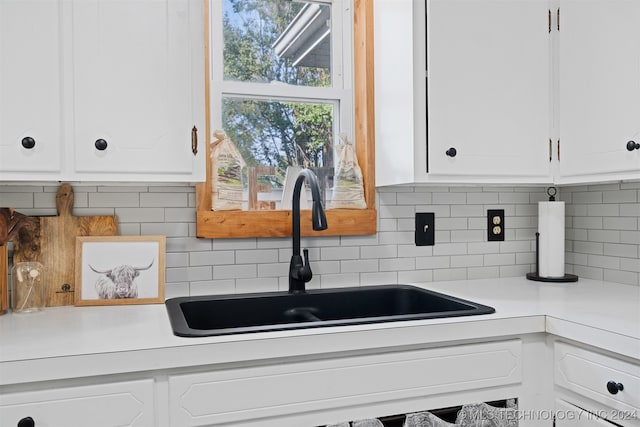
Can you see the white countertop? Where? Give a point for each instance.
(64, 342)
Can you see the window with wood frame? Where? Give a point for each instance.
(248, 97)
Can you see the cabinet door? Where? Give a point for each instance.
(599, 89)
(30, 96)
(488, 88)
(138, 85)
(129, 403)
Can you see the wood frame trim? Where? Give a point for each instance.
(243, 224)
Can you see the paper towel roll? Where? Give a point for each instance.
(551, 243)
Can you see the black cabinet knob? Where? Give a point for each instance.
(632, 145)
(26, 422)
(451, 152)
(614, 387)
(101, 144)
(28, 142)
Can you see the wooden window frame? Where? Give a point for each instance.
(277, 223)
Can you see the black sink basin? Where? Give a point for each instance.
(211, 315)
(274, 311)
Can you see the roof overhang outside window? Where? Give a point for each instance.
(306, 40)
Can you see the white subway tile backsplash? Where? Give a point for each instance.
(168, 229)
(588, 247)
(140, 215)
(450, 249)
(621, 250)
(630, 209)
(467, 236)
(619, 276)
(188, 274)
(381, 251)
(602, 236)
(604, 242)
(499, 259)
(397, 238)
(483, 272)
(340, 253)
(281, 269)
(467, 261)
(211, 287)
(482, 198)
(381, 278)
(590, 197)
(632, 237)
(603, 210)
(268, 284)
(177, 259)
(242, 271)
(397, 264)
(620, 223)
(513, 198)
(603, 262)
(415, 276)
(620, 196)
(359, 266)
(449, 198)
(450, 274)
(257, 256)
(432, 262)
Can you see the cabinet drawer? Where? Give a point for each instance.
(116, 404)
(242, 394)
(587, 373)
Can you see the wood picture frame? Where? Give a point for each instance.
(115, 270)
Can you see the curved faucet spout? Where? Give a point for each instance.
(299, 271)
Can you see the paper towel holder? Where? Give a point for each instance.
(535, 276)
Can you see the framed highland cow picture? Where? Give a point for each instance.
(112, 270)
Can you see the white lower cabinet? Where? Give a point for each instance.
(302, 393)
(604, 389)
(129, 403)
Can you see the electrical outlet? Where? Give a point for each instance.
(425, 228)
(495, 225)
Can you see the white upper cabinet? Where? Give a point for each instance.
(30, 90)
(507, 91)
(466, 97)
(127, 91)
(488, 89)
(599, 89)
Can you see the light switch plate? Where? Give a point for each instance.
(425, 229)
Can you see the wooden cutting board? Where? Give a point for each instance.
(51, 240)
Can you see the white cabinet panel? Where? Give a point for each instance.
(587, 373)
(133, 68)
(488, 88)
(599, 89)
(242, 395)
(117, 404)
(464, 74)
(30, 91)
(128, 72)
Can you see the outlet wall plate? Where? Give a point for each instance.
(425, 229)
(495, 225)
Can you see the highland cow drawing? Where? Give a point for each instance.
(118, 282)
(115, 270)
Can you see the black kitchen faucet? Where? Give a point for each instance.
(299, 270)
